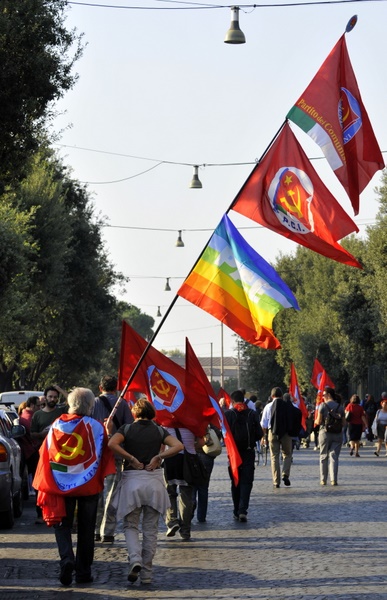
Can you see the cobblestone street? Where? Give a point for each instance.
(306, 542)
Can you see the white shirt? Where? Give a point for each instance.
(266, 415)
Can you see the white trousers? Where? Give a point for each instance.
(142, 552)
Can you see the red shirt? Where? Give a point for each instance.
(357, 412)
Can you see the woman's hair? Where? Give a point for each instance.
(355, 399)
(21, 407)
(81, 402)
(143, 409)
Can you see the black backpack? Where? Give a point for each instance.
(242, 427)
(334, 421)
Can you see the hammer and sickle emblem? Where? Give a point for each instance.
(73, 451)
(161, 387)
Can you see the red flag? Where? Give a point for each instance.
(227, 399)
(285, 194)
(332, 113)
(319, 397)
(294, 390)
(179, 399)
(194, 367)
(320, 377)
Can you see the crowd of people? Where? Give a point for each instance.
(95, 463)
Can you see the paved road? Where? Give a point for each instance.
(305, 542)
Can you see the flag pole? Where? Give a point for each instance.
(136, 368)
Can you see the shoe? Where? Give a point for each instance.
(185, 538)
(376, 454)
(333, 482)
(39, 521)
(243, 518)
(97, 537)
(134, 571)
(84, 579)
(286, 480)
(107, 539)
(171, 531)
(146, 581)
(357, 455)
(201, 520)
(323, 482)
(276, 485)
(66, 573)
(316, 448)
(351, 452)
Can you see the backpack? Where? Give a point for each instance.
(334, 421)
(243, 429)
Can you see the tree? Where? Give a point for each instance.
(61, 328)
(37, 55)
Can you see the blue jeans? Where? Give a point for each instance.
(241, 492)
(87, 512)
(200, 494)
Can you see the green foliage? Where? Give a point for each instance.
(37, 55)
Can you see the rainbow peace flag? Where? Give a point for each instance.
(236, 285)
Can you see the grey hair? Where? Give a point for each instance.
(81, 402)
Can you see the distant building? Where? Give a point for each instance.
(230, 366)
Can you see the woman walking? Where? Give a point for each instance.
(357, 423)
(142, 489)
(381, 424)
(329, 443)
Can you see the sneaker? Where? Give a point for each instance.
(376, 454)
(66, 573)
(286, 480)
(276, 485)
(185, 538)
(107, 539)
(236, 518)
(243, 518)
(333, 482)
(134, 571)
(171, 531)
(323, 482)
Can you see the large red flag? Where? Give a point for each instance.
(332, 113)
(320, 377)
(194, 367)
(285, 194)
(294, 390)
(179, 399)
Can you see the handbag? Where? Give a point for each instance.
(374, 427)
(213, 446)
(348, 416)
(194, 472)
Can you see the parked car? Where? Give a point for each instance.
(12, 478)
(18, 397)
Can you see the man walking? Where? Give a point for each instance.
(280, 419)
(106, 517)
(41, 422)
(246, 431)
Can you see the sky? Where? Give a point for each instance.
(159, 91)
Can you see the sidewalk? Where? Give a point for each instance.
(305, 542)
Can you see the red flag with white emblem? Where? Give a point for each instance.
(285, 194)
